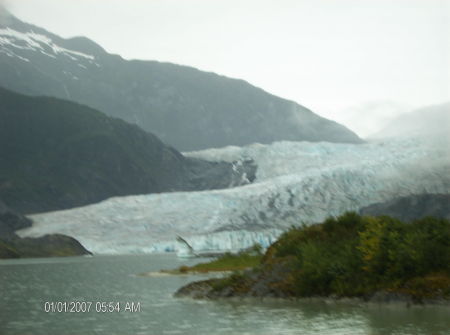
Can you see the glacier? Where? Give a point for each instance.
(296, 182)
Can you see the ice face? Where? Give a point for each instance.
(296, 182)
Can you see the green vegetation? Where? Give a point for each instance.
(56, 154)
(55, 245)
(8, 251)
(355, 255)
(243, 260)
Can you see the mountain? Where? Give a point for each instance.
(11, 221)
(296, 182)
(412, 207)
(186, 108)
(432, 121)
(57, 154)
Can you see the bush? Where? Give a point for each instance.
(357, 255)
(350, 255)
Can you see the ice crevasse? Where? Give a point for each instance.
(296, 182)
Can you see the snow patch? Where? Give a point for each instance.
(37, 42)
(12, 54)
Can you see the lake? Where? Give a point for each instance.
(33, 293)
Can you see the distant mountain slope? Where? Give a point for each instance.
(412, 207)
(186, 108)
(431, 121)
(11, 221)
(55, 154)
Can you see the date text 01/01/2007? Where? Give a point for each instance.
(88, 306)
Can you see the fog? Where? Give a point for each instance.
(432, 122)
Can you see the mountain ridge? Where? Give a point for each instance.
(431, 121)
(185, 107)
(57, 154)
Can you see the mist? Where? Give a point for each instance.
(432, 122)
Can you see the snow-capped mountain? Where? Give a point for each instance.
(296, 182)
(186, 108)
(14, 40)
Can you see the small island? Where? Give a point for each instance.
(378, 259)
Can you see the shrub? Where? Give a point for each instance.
(356, 255)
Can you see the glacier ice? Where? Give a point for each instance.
(295, 182)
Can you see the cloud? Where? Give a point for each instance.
(432, 122)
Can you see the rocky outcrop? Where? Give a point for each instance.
(12, 246)
(216, 288)
(198, 289)
(269, 282)
(54, 245)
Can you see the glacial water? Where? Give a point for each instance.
(29, 286)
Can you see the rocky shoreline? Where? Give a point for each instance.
(207, 289)
(348, 258)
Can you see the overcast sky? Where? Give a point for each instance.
(358, 62)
